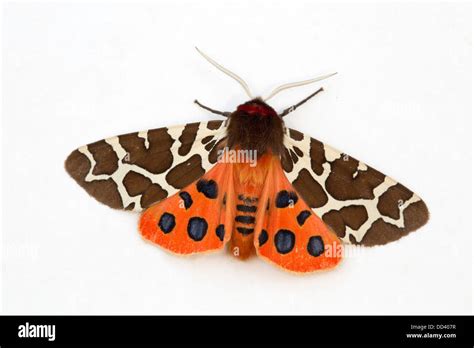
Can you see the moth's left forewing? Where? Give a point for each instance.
(360, 204)
(133, 171)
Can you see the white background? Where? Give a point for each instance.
(77, 73)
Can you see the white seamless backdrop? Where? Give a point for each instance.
(74, 73)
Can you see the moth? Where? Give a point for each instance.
(248, 182)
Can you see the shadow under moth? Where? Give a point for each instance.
(251, 183)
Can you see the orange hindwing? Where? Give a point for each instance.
(288, 232)
(196, 219)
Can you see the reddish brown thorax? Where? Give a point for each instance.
(257, 107)
(255, 125)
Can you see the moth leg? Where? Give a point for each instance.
(217, 112)
(293, 108)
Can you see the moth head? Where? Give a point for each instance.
(256, 107)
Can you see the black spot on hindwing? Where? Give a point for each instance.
(208, 188)
(262, 238)
(315, 246)
(284, 241)
(197, 228)
(167, 222)
(285, 198)
(220, 232)
(301, 218)
(187, 200)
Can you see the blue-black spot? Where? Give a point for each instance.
(301, 218)
(186, 197)
(197, 228)
(284, 241)
(220, 232)
(262, 238)
(285, 198)
(315, 246)
(224, 200)
(167, 222)
(207, 187)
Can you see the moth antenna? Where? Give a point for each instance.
(217, 112)
(297, 84)
(227, 72)
(294, 107)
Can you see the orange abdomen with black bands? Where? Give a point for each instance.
(249, 179)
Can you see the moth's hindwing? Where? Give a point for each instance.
(197, 219)
(133, 171)
(360, 204)
(288, 233)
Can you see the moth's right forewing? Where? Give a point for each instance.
(360, 204)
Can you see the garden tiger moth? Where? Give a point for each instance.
(294, 204)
